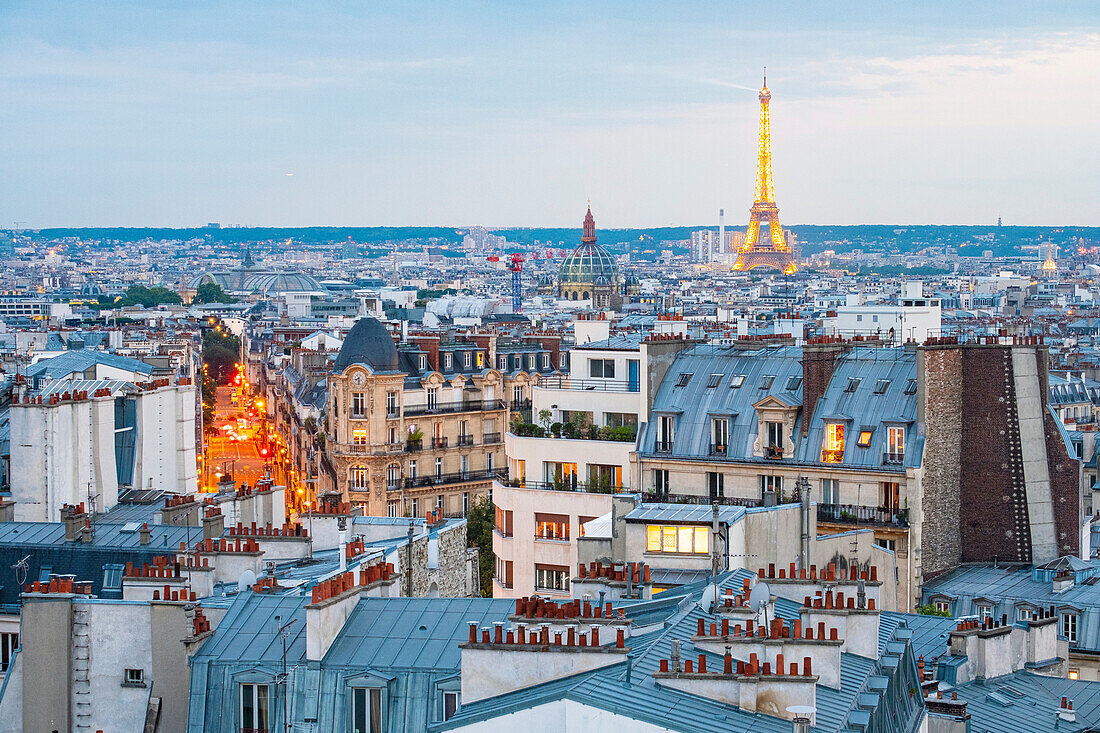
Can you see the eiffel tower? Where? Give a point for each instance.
(755, 252)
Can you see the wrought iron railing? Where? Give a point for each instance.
(855, 514)
(443, 408)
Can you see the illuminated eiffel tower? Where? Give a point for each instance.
(754, 251)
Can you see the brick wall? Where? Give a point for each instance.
(818, 364)
(1064, 488)
(992, 490)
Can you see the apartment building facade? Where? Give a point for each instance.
(899, 440)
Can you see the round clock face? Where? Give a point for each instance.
(359, 378)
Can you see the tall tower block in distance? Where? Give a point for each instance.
(721, 231)
(755, 251)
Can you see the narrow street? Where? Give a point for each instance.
(234, 446)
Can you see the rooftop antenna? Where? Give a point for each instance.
(22, 570)
(758, 601)
(765, 77)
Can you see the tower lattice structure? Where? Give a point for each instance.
(754, 251)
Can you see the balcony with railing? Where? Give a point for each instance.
(589, 385)
(832, 456)
(491, 438)
(663, 446)
(773, 452)
(439, 443)
(662, 497)
(890, 458)
(465, 440)
(414, 445)
(442, 479)
(445, 408)
(717, 449)
(882, 516)
(520, 405)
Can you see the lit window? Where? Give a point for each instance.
(359, 437)
(895, 444)
(714, 381)
(1074, 674)
(683, 380)
(359, 478)
(551, 577)
(682, 539)
(737, 381)
(833, 450)
(864, 438)
(552, 527)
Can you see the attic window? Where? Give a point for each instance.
(683, 380)
(766, 381)
(865, 437)
(737, 381)
(794, 383)
(853, 382)
(423, 361)
(881, 385)
(911, 387)
(714, 381)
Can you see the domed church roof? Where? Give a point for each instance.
(368, 343)
(589, 261)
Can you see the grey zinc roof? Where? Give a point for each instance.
(248, 634)
(106, 535)
(82, 359)
(1007, 586)
(412, 633)
(687, 513)
(866, 409)
(1025, 701)
(696, 403)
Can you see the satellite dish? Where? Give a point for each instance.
(760, 596)
(246, 581)
(706, 598)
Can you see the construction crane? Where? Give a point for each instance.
(514, 264)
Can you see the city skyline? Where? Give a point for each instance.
(280, 116)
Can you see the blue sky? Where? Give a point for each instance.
(515, 113)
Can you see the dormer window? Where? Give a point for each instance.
(1069, 626)
(503, 363)
(423, 362)
(984, 611)
(467, 359)
(448, 361)
(833, 449)
(864, 439)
